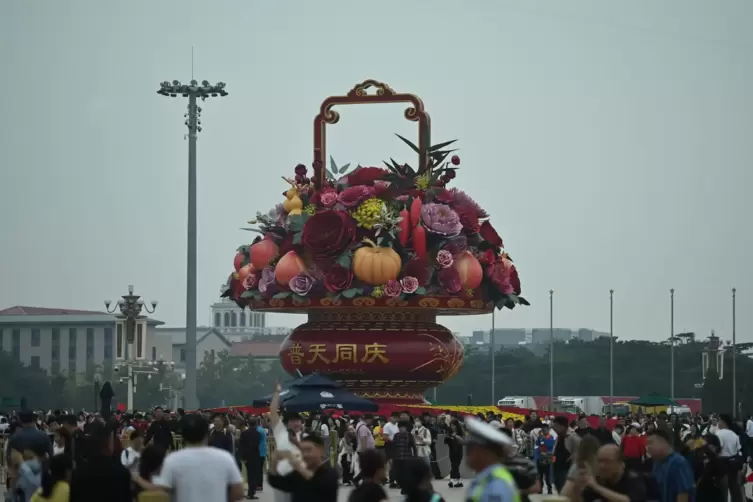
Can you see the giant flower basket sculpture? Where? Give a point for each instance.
(373, 255)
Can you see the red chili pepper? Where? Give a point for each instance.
(419, 241)
(404, 227)
(415, 212)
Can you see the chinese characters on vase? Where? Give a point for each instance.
(343, 353)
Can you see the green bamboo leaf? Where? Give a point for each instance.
(332, 165)
(441, 145)
(409, 143)
(283, 294)
(344, 168)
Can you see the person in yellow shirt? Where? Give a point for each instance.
(55, 479)
(379, 435)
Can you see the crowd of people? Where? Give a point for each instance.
(65, 457)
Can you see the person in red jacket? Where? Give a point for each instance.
(633, 449)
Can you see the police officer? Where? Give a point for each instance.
(486, 447)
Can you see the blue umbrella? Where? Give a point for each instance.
(300, 399)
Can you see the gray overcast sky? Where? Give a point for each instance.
(610, 140)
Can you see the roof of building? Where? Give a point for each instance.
(202, 332)
(21, 310)
(255, 348)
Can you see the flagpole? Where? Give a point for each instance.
(491, 340)
(672, 343)
(611, 352)
(551, 350)
(734, 356)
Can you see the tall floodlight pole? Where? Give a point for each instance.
(551, 350)
(611, 352)
(192, 91)
(491, 349)
(672, 344)
(734, 357)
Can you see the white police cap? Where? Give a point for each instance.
(482, 433)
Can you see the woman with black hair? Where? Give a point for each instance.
(55, 479)
(416, 481)
(454, 441)
(709, 470)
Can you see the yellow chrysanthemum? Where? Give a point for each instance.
(310, 209)
(422, 182)
(377, 292)
(368, 213)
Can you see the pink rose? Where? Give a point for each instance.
(352, 196)
(393, 288)
(444, 258)
(409, 284)
(328, 198)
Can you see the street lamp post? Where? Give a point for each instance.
(672, 344)
(130, 306)
(192, 91)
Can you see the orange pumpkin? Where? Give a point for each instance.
(376, 265)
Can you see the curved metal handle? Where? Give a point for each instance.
(359, 96)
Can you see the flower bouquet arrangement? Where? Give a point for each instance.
(382, 232)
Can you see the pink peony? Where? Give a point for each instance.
(352, 196)
(409, 284)
(501, 276)
(441, 219)
(444, 258)
(393, 288)
(328, 198)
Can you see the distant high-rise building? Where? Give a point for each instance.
(542, 335)
(589, 335)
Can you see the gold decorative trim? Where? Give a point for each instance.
(428, 302)
(370, 316)
(364, 301)
(456, 303)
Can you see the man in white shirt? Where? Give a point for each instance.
(729, 454)
(388, 431)
(198, 472)
(131, 455)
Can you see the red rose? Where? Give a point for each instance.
(469, 219)
(352, 196)
(487, 257)
(420, 269)
(327, 234)
(365, 176)
(338, 278)
(490, 235)
(237, 289)
(449, 279)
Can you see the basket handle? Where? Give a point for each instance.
(359, 96)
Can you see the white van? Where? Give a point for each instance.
(680, 410)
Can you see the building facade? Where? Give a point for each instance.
(71, 341)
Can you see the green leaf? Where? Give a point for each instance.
(344, 260)
(332, 165)
(523, 301)
(330, 176)
(380, 241)
(513, 298)
(249, 294)
(281, 295)
(409, 143)
(440, 158)
(242, 249)
(298, 297)
(251, 229)
(297, 221)
(421, 290)
(441, 145)
(344, 168)
(297, 237)
(352, 292)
